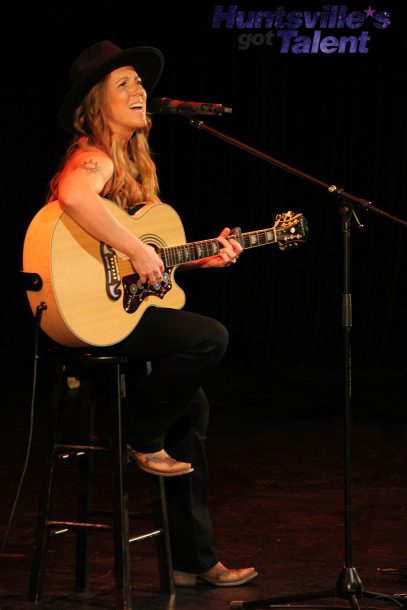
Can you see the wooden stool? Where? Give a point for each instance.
(62, 361)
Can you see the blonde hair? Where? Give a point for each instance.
(134, 178)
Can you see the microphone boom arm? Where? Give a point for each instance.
(330, 188)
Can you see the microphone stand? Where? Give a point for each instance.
(349, 585)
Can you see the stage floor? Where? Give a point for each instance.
(276, 455)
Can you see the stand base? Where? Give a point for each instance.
(349, 587)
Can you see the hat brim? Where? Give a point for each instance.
(148, 61)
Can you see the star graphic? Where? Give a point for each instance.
(369, 12)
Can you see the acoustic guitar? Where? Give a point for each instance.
(93, 295)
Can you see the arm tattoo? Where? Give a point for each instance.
(90, 167)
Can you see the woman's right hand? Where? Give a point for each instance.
(147, 263)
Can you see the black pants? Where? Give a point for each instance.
(170, 410)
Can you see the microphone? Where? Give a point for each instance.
(165, 105)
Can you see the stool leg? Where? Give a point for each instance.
(120, 496)
(83, 536)
(42, 534)
(163, 545)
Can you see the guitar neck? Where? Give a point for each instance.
(197, 250)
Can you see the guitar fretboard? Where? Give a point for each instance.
(186, 253)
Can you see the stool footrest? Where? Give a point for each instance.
(142, 537)
(66, 526)
(75, 449)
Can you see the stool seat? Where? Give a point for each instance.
(61, 361)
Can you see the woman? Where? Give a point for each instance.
(110, 158)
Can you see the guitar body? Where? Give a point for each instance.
(84, 293)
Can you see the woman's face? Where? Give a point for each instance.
(126, 102)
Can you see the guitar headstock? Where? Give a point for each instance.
(290, 229)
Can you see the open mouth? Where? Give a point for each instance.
(138, 106)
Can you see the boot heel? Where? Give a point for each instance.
(184, 579)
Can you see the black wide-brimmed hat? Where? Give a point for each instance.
(97, 61)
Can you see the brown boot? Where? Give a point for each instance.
(218, 575)
(159, 463)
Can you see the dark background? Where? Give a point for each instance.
(340, 118)
(275, 444)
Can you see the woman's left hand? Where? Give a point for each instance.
(228, 254)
